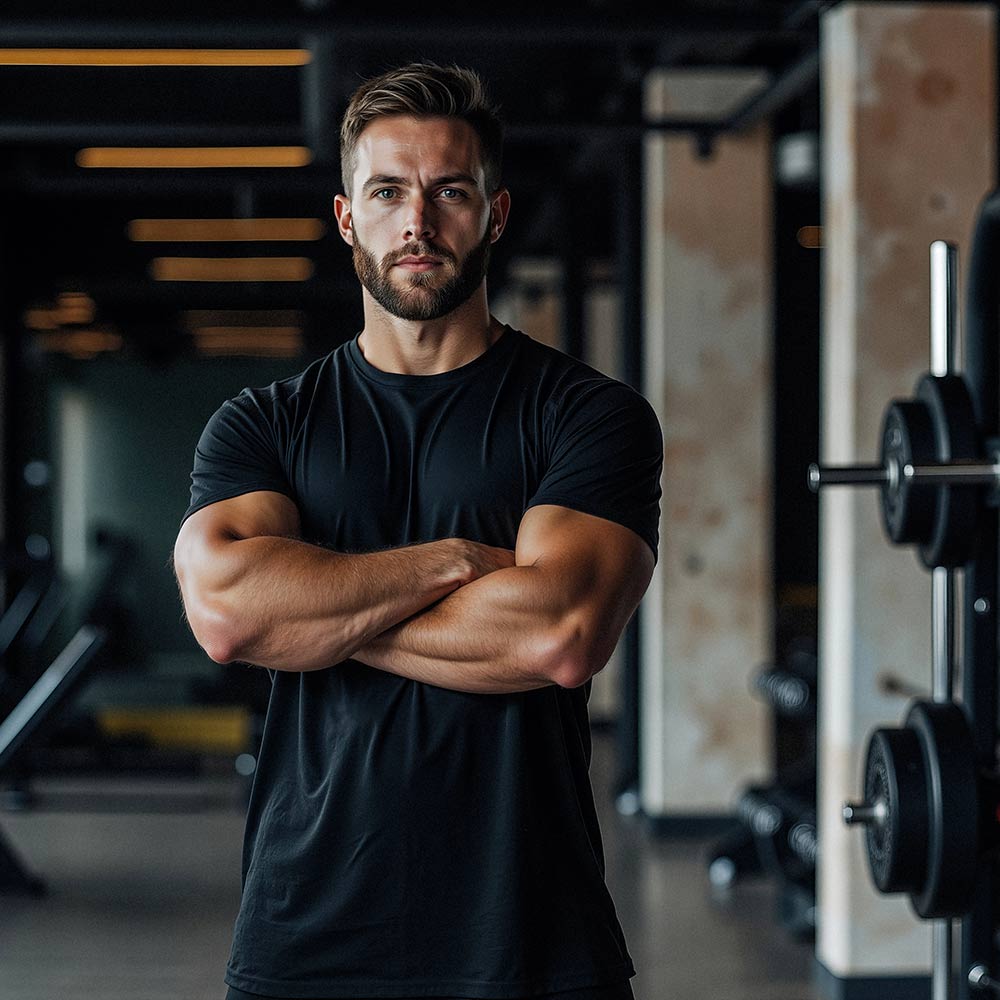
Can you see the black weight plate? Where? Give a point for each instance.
(908, 512)
(897, 843)
(952, 539)
(953, 798)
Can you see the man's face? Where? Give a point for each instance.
(420, 221)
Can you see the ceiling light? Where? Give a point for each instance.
(221, 333)
(154, 57)
(196, 319)
(130, 157)
(224, 230)
(231, 268)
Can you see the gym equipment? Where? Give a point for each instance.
(933, 464)
(26, 621)
(922, 812)
(776, 831)
(931, 790)
(789, 687)
(51, 690)
(921, 808)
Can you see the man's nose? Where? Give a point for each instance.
(419, 222)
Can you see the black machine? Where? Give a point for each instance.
(931, 806)
(43, 613)
(56, 684)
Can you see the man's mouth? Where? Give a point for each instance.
(418, 263)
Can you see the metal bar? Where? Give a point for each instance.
(291, 134)
(539, 30)
(962, 473)
(84, 133)
(942, 981)
(944, 306)
(789, 85)
(628, 265)
(40, 699)
(942, 633)
(944, 334)
(847, 475)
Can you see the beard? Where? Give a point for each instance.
(423, 295)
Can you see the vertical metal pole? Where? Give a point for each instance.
(980, 692)
(942, 633)
(628, 255)
(944, 307)
(944, 327)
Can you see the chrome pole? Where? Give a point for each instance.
(944, 330)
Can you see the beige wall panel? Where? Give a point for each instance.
(907, 154)
(707, 616)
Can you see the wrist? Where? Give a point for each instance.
(454, 568)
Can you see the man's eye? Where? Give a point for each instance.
(384, 191)
(452, 194)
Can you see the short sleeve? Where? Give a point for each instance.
(237, 453)
(605, 456)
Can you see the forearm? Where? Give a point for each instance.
(503, 633)
(286, 604)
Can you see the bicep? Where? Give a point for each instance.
(204, 534)
(602, 569)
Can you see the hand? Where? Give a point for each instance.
(477, 559)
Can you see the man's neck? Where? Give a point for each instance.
(426, 348)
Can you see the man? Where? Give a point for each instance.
(432, 538)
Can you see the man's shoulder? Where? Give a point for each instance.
(573, 382)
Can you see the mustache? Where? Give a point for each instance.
(418, 248)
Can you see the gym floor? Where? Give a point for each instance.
(144, 885)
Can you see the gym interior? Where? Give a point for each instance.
(778, 220)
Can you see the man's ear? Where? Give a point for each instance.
(342, 210)
(499, 210)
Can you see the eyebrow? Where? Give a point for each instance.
(380, 179)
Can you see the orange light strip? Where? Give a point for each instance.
(80, 343)
(155, 57)
(263, 342)
(197, 156)
(281, 350)
(196, 319)
(231, 268)
(70, 308)
(224, 230)
(263, 333)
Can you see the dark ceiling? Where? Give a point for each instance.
(568, 78)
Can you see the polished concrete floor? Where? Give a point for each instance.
(143, 881)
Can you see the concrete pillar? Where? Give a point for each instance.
(908, 151)
(707, 360)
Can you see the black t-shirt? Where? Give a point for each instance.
(403, 839)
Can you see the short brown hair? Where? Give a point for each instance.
(425, 90)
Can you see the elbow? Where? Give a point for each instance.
(216, 636)
(219, 649)
(213, 628)
(569, 664)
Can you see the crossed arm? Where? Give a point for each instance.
(451, 613)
